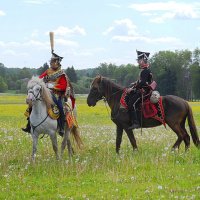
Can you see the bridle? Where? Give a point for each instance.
(37, 98)
(103, 97)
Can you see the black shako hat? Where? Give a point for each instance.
(142, 55)
(56, 57)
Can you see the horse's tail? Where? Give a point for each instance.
(76, 134)
(193, 128)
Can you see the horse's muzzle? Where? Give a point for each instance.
(28, 101)
(90, 103)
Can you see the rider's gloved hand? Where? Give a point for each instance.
(50, 85)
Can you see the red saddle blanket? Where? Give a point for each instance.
(122, 100)
(149, 109)
(155, 111)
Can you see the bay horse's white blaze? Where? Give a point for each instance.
(39, 97)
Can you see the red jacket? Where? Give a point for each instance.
(57, 78)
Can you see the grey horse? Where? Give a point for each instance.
(40, 98)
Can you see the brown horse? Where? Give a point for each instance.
(176, 111)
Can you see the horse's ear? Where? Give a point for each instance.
(99, 78)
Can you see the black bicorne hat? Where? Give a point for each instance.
(142, 55)
(56, 57)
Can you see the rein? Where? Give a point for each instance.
(36, 97)
(106, 100)
(112, 95)
(34, 127)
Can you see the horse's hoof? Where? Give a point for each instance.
(174, 149)
(26, 130)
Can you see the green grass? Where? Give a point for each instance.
(154, 172)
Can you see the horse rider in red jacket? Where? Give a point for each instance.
(57, 81)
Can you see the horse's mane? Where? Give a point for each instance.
(111, 83)
(46, 94)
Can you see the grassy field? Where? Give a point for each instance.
(154, 172)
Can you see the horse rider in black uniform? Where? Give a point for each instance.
(139, 88)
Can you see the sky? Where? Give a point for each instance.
(90, 32)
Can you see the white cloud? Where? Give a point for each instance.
(37, 44)
(88, 52)
(163, 17)
(65, 31)
(35, 34)
(169, 10)
(122, 27)
(147, 39)
(108, 30)
(9, 52)
(38, 2)
(66, 43)
(124, 30)
(2, 13)
(114, 5)
(9, 44)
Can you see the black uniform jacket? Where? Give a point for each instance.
(145, 78)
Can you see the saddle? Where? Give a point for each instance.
(149, 109)
(53, 112)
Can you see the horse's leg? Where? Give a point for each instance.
(66, 141)
(132, 139)
(35, 142)
(54, 144)
(186, 139)
(63, 145)
(119, 132)
(177, 129)
(186, 136)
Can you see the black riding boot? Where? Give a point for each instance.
(134, 120)
(28, 127)
(61, 124)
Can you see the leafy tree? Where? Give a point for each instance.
(24, 73)
(176, 72)
(42, 69)
(184, 60)
(3, 85)
(80, 89)
(2, 70)
(71, 74)
(167, 83)
(195, 76)
(85, 82)
(196, 56)
(23, 87)
(171, 71)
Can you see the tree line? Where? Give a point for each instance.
(176, 73)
